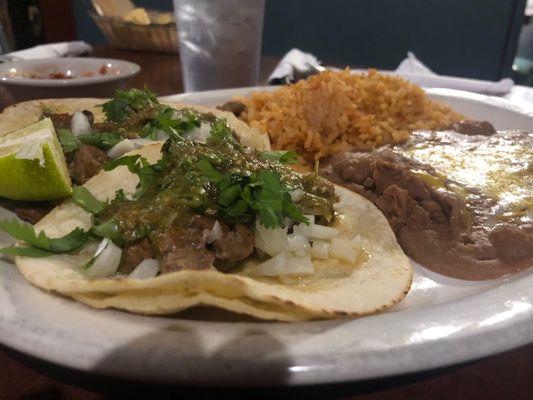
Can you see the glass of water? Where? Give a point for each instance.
(219, 42)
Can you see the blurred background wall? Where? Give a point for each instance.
(472, 38)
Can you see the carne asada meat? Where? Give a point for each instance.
(86, 162)
(34, 211)
(234, 107)
(189, 248)
(129, 128)
(60, 121)
(133, 254)
(460, 204)
(184, 249)
(63, 120)
(233, 246)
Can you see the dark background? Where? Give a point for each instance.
(471, 38)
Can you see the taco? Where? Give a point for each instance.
(183, 224)
(95, 131)
(145, 121)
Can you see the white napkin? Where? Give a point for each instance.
(295, 62)
(53, 50)
(416, 72)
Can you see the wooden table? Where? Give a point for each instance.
(161, 72)
(504, 376)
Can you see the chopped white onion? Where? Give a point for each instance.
(344, 250)
(284, 264)
(271, 241)
(215, 233)
(141, 142)
(199, 134)
(299, 265)
(79, 124)
(106, 260)
(274, 266)
(297, 194)
(147, 268)
(298, 244)
(120, 148)
(314, 231)
(126, 146)
(320, 249)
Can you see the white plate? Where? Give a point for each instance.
(89, 77)
(441, 321)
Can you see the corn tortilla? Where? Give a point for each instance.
(380, 281)
(23, 114)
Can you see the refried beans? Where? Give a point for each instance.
(460, 201)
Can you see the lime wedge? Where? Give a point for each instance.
(32, 164)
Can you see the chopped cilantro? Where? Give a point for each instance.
(283, 156)
(133, 163)
(108, 229)
(273, 202)
(119, 196)
(25, 251)
(84, 198)
(262, 194)
(26, 233)
(172, 122)
(136, 165)
(68, 140)
(221, 133)
(207, 169)
(117, 109)
(104, 140)
(229, 195)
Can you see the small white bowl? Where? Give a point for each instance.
(65, 77)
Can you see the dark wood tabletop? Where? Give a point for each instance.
(504, 376)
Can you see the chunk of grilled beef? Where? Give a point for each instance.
(60, 121)
(233, 246)
(184, 248)
(234, 107)
(33, 213)
(85, 162)
(181, 248)
(63, 120)
(133, 254)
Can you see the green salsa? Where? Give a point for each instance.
(222, 180)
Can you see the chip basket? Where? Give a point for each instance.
(130, 36)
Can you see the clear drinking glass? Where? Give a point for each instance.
(219, 42)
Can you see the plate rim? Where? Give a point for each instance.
(497, 335)
(500, 102)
